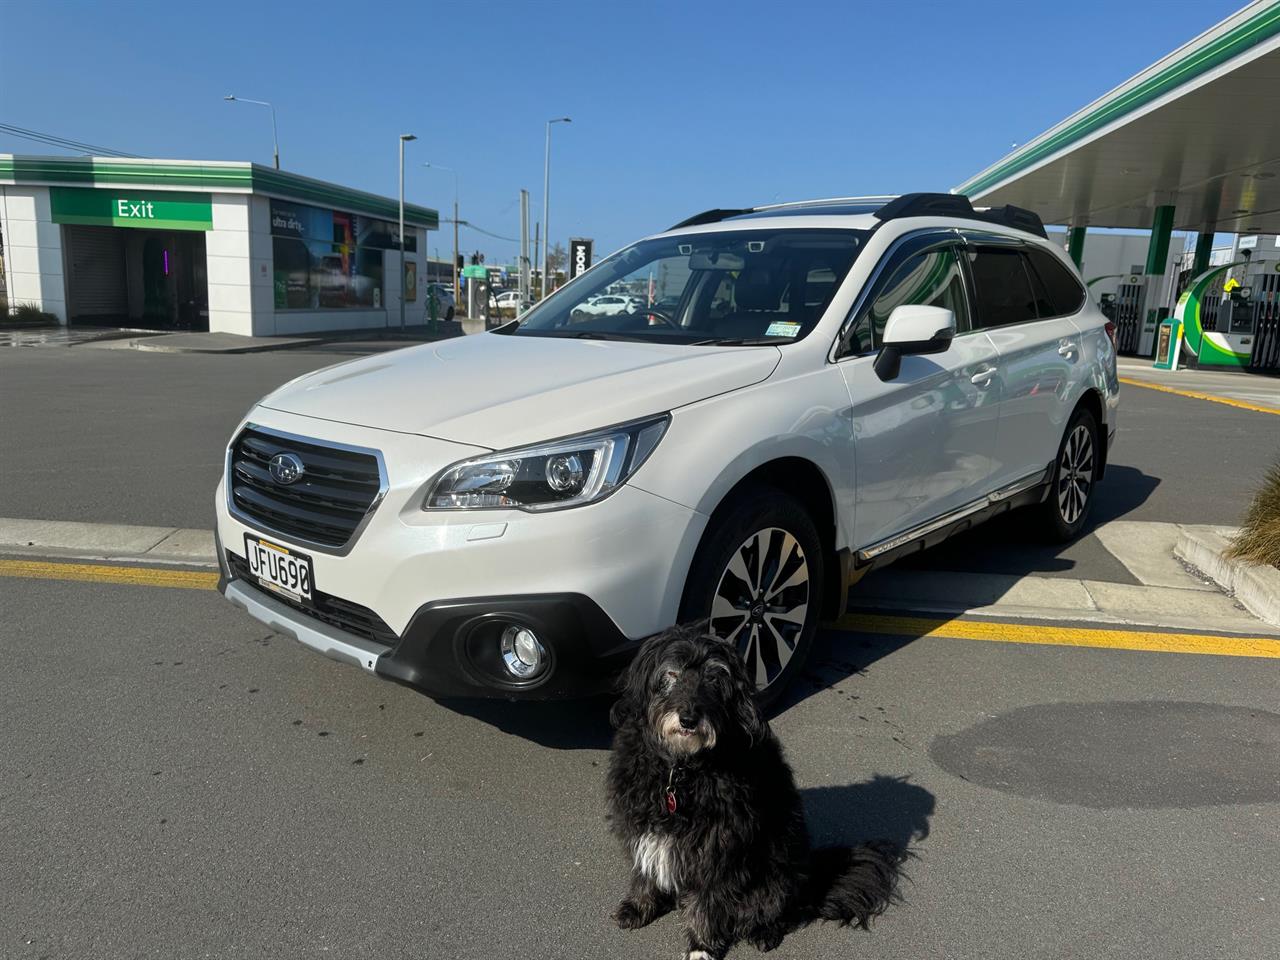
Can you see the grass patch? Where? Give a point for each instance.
(1259, 539)
(28, 315)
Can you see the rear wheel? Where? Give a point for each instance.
(1075, 474)
(757, 579)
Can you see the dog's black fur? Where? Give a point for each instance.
(734, 854)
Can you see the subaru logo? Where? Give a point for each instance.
(287, 468)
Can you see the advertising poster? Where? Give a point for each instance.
(410, 281)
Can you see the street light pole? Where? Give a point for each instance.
(546, 206)
(275, 139)
(403, 138)
(437, 166)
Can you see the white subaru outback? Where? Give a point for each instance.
(809, 390)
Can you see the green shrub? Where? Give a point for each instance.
(30, 315)
(1259, 539)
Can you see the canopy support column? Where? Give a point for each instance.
(1075, 244)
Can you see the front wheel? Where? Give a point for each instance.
(1075, 474)
(757, 579)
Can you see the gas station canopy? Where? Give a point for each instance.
(1199, 131)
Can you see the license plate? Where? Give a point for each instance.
(278, 568)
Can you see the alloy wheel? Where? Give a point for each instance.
(762, 600)
(1075, 474)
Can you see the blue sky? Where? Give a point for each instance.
(676, 107)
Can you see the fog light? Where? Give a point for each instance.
(522, 653)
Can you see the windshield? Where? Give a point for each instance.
(749, 286)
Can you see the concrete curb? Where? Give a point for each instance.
(107, 541)
(1256, 587)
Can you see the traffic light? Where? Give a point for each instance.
(462, 261)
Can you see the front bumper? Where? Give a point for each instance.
(421, 598)
(450, 647)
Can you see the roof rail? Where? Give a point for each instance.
(710, 216)
(882, 197)
(958, 205)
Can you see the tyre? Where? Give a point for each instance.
(449, 316)
(1075, 475)
(757, 578)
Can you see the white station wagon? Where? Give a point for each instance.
(807, 391)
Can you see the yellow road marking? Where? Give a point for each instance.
(1052, 635)
(1197, 395)
(101, 573)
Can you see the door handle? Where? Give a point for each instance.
(983, 377)
(1066, 349)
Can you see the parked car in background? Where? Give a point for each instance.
(508, 302)
(606, 305)
(826, 386)
(445, 304)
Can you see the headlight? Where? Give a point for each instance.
(550, 476)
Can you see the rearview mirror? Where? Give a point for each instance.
(913, 328)
(716, 260)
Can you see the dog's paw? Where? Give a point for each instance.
(629, 916)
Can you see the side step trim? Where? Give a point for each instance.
(937, 523)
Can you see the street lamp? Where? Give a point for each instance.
(436, 166)
(546, 205)
(275, 141)
(404, 137)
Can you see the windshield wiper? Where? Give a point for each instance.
(739, 341)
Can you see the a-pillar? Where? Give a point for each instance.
(1075, 245)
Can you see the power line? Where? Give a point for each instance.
(471, 226)
(65, 143)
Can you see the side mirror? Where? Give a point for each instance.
(913, 328)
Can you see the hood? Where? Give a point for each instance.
(498, 391)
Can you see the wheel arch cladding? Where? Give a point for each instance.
(804, 481)
(1091, 400)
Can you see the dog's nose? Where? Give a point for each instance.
(688, 721)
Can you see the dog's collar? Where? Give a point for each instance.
(669, 794)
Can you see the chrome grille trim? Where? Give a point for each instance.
(325, 502)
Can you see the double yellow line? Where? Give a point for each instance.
(883, 624)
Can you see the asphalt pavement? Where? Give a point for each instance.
(179, 782)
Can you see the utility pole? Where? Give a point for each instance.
(403, 138)
(536, 262)
(546, 205)
(525, 291)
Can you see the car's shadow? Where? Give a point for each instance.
(1008, 544)
(558, 724)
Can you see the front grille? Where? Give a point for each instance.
(343, 614)
(324, 507)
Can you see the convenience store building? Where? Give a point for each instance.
(200, 245)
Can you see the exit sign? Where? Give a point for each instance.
(143, 208)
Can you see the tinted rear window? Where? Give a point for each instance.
(1004, 292)
(1060, 288)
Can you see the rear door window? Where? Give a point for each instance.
(1003, 288)
(1062, 292)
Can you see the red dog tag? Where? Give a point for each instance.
(671, 801)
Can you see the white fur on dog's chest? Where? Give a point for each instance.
(653, 856)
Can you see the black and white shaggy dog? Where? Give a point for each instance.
(707, 809)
